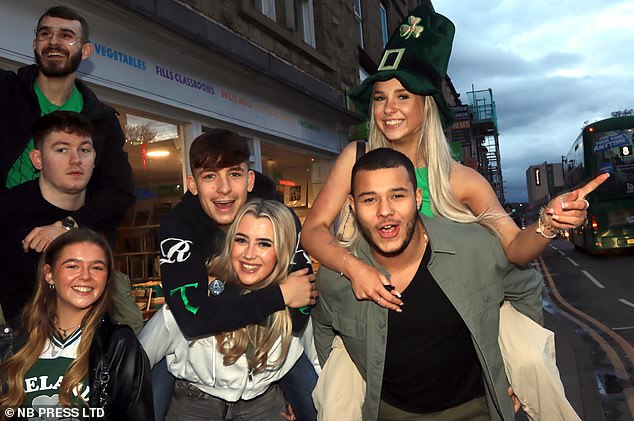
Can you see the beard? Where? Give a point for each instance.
(410, 227)
(57, 69)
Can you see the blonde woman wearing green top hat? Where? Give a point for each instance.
(407, 112)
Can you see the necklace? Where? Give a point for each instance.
(64, 332)
(63, 338)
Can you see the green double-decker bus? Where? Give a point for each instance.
(604, 146)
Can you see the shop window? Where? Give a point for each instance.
(298, 175)
(155, 153)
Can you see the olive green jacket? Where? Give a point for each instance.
(469, 265)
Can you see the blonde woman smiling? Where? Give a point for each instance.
(231, 375)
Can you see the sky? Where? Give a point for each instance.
(552, 65)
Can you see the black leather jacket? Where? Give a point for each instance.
(119, 374)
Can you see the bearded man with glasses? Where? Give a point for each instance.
(61, 43)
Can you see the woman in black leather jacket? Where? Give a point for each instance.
(68, 354)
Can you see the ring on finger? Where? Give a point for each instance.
(378, 300)
(587, 204)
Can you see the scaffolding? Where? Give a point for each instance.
(484, 129)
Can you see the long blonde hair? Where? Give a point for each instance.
(38, 320)
(262, 336)
(435, 150)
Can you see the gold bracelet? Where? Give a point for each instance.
(542, 221)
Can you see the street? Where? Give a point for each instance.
(595, 295)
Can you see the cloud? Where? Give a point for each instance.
(551, 66)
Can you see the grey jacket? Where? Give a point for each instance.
(469, 265)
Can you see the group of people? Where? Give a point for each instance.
(405, 311)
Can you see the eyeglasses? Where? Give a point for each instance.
(64, 35)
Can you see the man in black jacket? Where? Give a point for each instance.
(61, 43)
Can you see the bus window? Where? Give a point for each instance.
(607, 151)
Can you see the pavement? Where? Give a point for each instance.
(575, 368)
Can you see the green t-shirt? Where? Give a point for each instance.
(43, 379)
(423, 182)
(22, 169)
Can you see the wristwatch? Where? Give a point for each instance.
(216, 287)
(69, 223)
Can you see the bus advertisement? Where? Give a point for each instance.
(604, 146)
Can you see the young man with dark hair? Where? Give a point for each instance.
(61, 43)
(64, 155)
(194, 231)
(438, 357)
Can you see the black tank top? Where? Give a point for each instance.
(430, 361)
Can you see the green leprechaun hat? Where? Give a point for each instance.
(417, 54)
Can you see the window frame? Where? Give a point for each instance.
(267, 8)
(292, 37)
(358, 17)
(383, 16)
(305, 18)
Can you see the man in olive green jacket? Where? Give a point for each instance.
(423, 364)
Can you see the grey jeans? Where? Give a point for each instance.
(191, 403)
